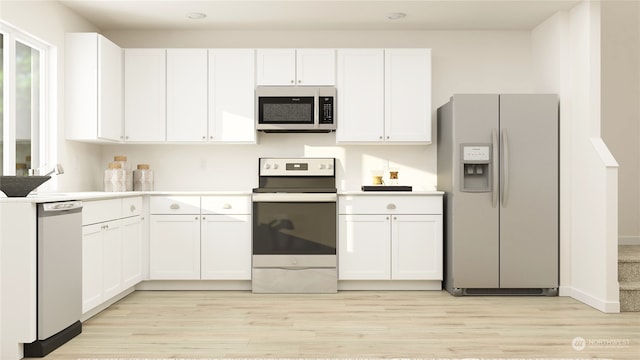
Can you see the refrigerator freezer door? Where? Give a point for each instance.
(529, 190)
(473, 219)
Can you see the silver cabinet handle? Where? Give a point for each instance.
(174, 206)
(391, 206)
(226, 206)
(494, 164)
(505, 168)
(132, 208)
(196, 218)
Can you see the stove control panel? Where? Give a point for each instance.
(297, 167)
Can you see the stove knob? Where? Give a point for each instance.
(329, 166)
(275, 166)
(267, 166)
(321, 166)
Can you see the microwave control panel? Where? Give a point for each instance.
(326, 109)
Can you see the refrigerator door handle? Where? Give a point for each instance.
(505, 168)
(494, 164)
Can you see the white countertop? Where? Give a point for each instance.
(392, 193)
(99, 195)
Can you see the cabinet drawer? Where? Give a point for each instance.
(101, 210)
(131, 206)
(240, 204)
(175, 205)
(413, 204)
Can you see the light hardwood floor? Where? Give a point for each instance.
(406, 324)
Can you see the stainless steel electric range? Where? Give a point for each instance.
(295, 226)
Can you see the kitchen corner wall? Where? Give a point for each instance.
(462, 62)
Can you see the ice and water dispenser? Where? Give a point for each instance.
(476, 167)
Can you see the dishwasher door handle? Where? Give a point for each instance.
(62, 206)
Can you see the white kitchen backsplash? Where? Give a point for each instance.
(209, 167)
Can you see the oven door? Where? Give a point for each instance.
(294, 224)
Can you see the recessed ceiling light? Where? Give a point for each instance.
(196, 15)
(396, 16)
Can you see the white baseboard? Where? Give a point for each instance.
(91, 313)
(599, 304)
(629, 240)
(229, 285)
(384, 285)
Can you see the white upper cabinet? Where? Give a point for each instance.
(231, 95)
(304, 67)
(407, 101)
(384, 96)
(93, 93)
(316, 67)
(187, 95)
(144, 95)
(360, 90)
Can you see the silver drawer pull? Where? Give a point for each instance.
(226, 206)
(391, 206)
(174, 206)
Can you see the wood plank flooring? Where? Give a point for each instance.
(353, 324)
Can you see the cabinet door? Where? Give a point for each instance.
(92, 268)
(187, 95)
(316, 67)
(276, 66)
(110, 90)
(131, 251)
(364, 251)
(111, 258)
(226, 247)
(93, 88)
(174, 247)
(416, 247)
(231, 95)
(360, 88)
(145, 89)
(407, 95)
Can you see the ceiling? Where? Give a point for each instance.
(317, 14)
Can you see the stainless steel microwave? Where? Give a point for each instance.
(295, 109)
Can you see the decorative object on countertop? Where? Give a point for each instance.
(20, 186)
(377, 177)
(143, 178)
(115, 178)
(122, 160)
(21, 169)
(393, 176)
(387, 188)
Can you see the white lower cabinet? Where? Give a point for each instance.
(389, 238)
(101, 262)
(226, 247)
(211, 242)
(131, 251)
(111, 250)
(174, 247)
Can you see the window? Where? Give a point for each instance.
(23, 64)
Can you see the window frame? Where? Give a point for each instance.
(41, 128)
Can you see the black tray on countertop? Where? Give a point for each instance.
(387, 188)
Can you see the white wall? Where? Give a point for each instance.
(463, 62)
(620, 106)
(567, 50)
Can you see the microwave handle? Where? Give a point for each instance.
(316, 109)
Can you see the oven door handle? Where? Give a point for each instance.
(294, 197)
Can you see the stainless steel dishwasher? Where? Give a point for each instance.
(59, 283)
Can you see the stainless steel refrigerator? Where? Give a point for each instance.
(498, 164)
